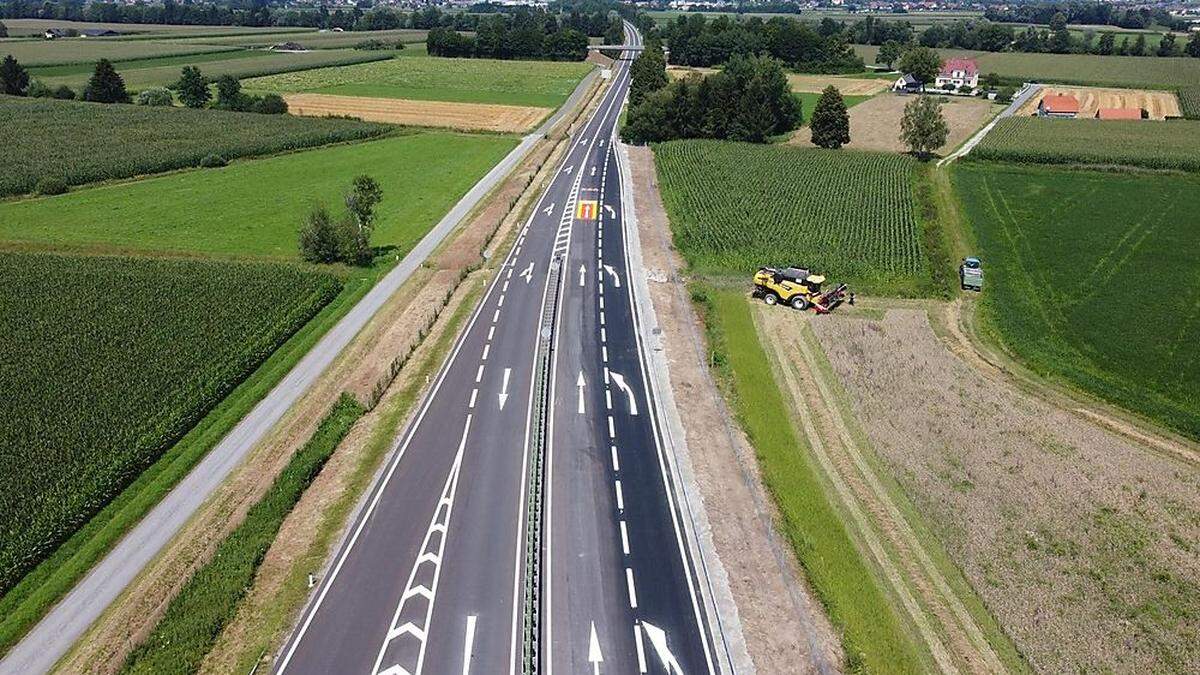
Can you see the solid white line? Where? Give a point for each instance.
(479, 374)
(486, 349)
(641, 650)
(474, 393)
(469, 646)
(616, 464)
(632, 590)
(624, 538)
(620, 496)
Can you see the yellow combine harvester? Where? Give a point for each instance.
(797, 287)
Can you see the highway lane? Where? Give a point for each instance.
(621, 589)
(429, 578)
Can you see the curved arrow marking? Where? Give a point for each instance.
(623, 386)
(658, 640)
(616, 279)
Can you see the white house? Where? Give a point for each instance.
(958, 72)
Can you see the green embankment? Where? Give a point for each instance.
(872, 636)
(1093, 279)
(210, 597)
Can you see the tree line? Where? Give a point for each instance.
(694, 40)
(1086, 13)
(523, 34)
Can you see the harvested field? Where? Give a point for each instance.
(466, 116)
(849, 86)
(875, 123)
(1081, 542)
(1159, 104)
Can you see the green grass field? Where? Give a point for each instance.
(1148, 144)
(1135, 72)
(314, 40)
(530, 83)
(808, 102)
(46, 138)
(871, 634)
(93, 335)
(241, 64)
(255, 207)
(82, 71)
(1093, 279)
(58, 52)
(31, 27)
(852, 215)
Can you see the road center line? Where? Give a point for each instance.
(616, 464)
(474, 394)
(620, 496)
(479, 374)
(624, 538)
(486, 349)
(469, 646)
(632, 590)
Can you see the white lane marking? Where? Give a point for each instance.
(505, 288)
(616, 279)
(509, 275)
(620, 380)
(479, 374)
(593, 171)
(616, 464)
(569, 169)
(641, 650)
(474, 393)
(606, 375)
(601, 318)
(582, 272)
(439, 524)
(500, 302)
(620, 496)
(486, 349)
(608, 398)
(491, 332)
(470, 645)
(632, 589)
(604, 352)
(594, 656)
(495, 316)
(624, 538)
(527, 272)
(581, 383)
(611, 213)
(612, 433)
(549, 209)
(658, 640)
(604, 335)
(518, 251)
(504, 388)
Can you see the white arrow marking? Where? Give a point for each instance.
(616, 279)
(581, 384)
(467, 648)
(582, 272)
(504, 388)
(549, 209)
(569, 169)
(611, 212)
(528, 273)
(594, 656)
(593, 171)
(658, 639)
(620, 380)
(582, 141)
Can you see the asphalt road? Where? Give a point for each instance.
(54, 635)
(430, 578)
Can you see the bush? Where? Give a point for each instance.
(213, 161)
(271, 104)
(1005, 94)
(965, 89)
(39, 89)
(65, 93)
(377, 45)
(51, 186)
(157, 96)
(320, 241)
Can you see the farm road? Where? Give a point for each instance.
(54, 635)
(1019, 100)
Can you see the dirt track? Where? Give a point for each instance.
(466, 116)
(1158, 104)
(1081, 542)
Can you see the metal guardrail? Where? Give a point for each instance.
(533, 504)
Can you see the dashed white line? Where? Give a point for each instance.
(495, 316)
(604, 352)
(479, 374)
(641, 650)
(504, 289)
(608, 398)
(491, 332)
(603, 335)
(624, 538)
(616, 464)
(632, 590)
(601, 301)
(486, 349)
(500, 302)
(474, 394)
(601, 318)
(620, 497)
(612, 433)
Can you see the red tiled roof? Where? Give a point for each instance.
(966, 65)
(1119, 113)
(1060, 103)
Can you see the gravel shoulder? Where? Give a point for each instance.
(785, 628)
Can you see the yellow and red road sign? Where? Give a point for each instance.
(587, 210)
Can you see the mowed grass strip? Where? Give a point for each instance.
(46, 138)
(245, 66)
(1093, 280)
(209, 599)
(872, 637)
(735, 207)
(1148, 144)
(254, 208)
(545, 84)
(90, 50)
(146, 347)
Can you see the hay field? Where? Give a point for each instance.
(466, 116)
(849, 86)
(1160, 104)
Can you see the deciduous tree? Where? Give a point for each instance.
(1193, 45)
(923, 127)
(320, 241)
(922, 63)
(889, 53)
(648, 72)
(830, 123)
(193, 90)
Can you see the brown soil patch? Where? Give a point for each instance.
(785, 628)
(470, 116)
(1082, 543)
(1159, 104)
(875, 123)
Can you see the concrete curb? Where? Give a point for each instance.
(720, 607)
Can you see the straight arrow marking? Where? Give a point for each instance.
(528, 272)
(549, 209)
(594, 656)
(580, 383)
(504, 388)
(582, 272)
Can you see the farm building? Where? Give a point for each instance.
(907, 84)
(1121, 114)
(958, 72)
(1058, 105)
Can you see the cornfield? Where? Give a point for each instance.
(735, 207)
(1189, 102)
(46, 138)
(108, 361)
(1154, 145)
